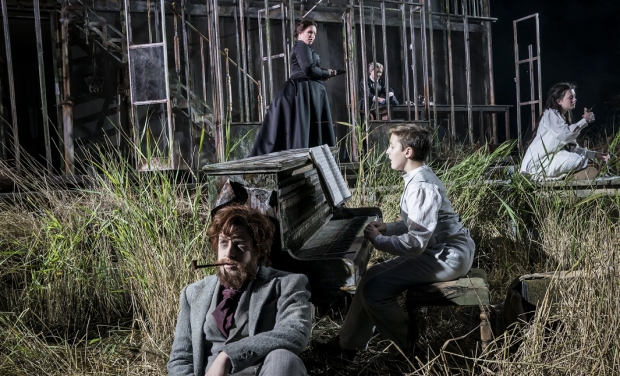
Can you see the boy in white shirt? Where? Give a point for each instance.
(430, 243)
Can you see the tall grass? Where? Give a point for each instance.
(76, 264)
(90, 278)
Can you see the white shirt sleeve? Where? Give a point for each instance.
(556, 125)
(423, 201)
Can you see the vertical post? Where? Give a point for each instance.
(287, 68)
(171, 153)
(2, 135)
(470, 125)
(540, 97)
(244, 60)
(46, 129)
(291, 15)
(532, 95)
(489, 45)
(414, 63)
(424, 59)
(203, 70)
(268, 39)
(350, 43)
(374, 54)
(57, 74)
(67, 104)
(364, 63)
(432, 48)
(451, 73)
(188, 84)
(9, 65)
(241, 102)
(518, 84)
(385, 60)
(403, 27)
(262, 88)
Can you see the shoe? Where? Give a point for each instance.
(332, 348)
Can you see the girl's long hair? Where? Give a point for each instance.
(556, 93)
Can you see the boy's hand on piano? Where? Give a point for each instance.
(373, 230)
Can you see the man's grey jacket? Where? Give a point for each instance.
(273, 313)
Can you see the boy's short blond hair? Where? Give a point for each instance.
(375, 66)
(415, 136)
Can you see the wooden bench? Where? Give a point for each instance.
(471, 290)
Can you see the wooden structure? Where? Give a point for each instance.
(316, 235)
(471, 290)
(176, 84)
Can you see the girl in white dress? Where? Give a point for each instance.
(554, 152)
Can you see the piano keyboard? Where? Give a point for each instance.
(338, 238)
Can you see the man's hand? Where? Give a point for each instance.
(373, 230)
(221, 366)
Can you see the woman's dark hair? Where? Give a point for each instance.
(415, 136)
(557, 92)
(303, 25)
(259, 227)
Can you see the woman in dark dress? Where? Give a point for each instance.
(299, 115)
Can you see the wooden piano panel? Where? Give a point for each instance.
(303, 207)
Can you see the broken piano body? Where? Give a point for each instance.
(303, 192)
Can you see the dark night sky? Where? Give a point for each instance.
(580, 43)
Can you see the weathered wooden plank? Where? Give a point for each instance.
(472, 289)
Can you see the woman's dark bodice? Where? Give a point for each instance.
(306, 63)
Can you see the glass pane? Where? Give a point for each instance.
(147, 73)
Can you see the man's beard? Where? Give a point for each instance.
(236, 279)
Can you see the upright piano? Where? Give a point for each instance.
(304, 193)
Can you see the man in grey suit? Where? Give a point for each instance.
(248, 319)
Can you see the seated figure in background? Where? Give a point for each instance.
(553, 151)
(376, 92)
(248, 319)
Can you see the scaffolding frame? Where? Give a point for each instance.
(418, 25)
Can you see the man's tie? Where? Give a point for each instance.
(224, 313)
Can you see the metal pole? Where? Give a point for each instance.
(67, 104)
(405, 55)
(2, 135)
(133, 115)
(268, 38)
(46, 129)
(532, 95)
(287, 68)
(238, 57)
(386, 60)
(173, 162)
(414, 63)
(374, 57)
(518, 83)
(489, 39)
(262, 88)
(203, 71)
(351, 58)
(433, 75)
(364, 64)
(188, 84)
(451, 75)
(9, 65)
(349, 50)
(540, 97)
(470, 125)
(425, 60)
(55, 57)
(244, 59)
